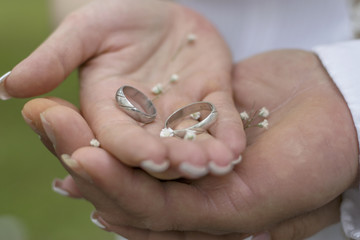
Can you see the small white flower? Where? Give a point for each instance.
(95, 143)
(264, 112)
(195, 116)
(157, 89)
(190, 135)
(174, 78)
(264, 124)
(191, 38)
(244, 115)
(167, 132)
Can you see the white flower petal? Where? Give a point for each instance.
(95, 143)
(174, 78)
(190, 135)
(157, 89)
(167, 132)
(244, 115)
(264, 124)
(195, 116)
(264, 112)
(191, 38)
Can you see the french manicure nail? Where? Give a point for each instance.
(151, 166)
(48, 129)
(3, 94)
(220, 170)
(75, 166)
(262, 236)
(56, 188)
(193, 171)
(237, 161)
(94, 219)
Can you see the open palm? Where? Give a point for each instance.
(141, 44)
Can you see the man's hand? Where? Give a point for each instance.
(309, 155)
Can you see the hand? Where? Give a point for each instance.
(309, 154)
(133, 42)
(290, 179)
(61, 122)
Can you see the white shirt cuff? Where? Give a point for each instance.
(342, 61)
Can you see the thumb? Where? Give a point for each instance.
(67, 48)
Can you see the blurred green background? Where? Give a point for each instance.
(26, 167)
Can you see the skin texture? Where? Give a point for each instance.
(136, 43)
(289, 182)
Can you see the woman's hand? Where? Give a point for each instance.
(142, 43)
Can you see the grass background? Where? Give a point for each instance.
(26, 167)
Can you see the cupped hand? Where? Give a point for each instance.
(290, 177)
(309, 155)
(142, 44)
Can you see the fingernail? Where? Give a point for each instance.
(118, 237)
(56, 188)
(42, 135)
(3, 94)
(237, 161)
(262, 236)
(48, 129)
(75, 166)
(151, 166)
(95, 219)
(30, 123)
(193, 171)
(220, 170)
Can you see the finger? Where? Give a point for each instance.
(72, 131)
(33, 108)
(195, 159)
(199, 156)
(228, 128)
(68, 47)
(308, 224)
(220, 157)
(147, 202)
(136, 233)
(31, 114)
(187, 158)
(66, 129)
(131, 143)
(66, 187)
(63, 102)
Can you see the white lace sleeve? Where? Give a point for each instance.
(342, 61)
